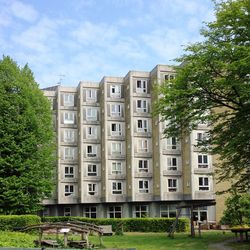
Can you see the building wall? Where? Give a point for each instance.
(113, 157)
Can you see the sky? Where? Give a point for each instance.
(68, 41)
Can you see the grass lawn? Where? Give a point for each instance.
(140, 241)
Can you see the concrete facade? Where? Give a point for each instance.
(113, 158)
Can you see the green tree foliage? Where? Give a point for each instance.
(26, 141)
(212, 86)
(237, 210)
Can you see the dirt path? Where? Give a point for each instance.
(221, 245)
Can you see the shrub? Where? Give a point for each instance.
(12, 222)
(130, 224)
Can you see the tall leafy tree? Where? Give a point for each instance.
(212, 86)
(26, 141)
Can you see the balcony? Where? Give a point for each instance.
(169, 151)
(115, 198)
(143, 197)
(204, 195)
(172, 196)
(143, 174)
(117, 176)
(172, 172)
(90, 199)
(203, 170)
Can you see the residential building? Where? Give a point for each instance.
(113, 158)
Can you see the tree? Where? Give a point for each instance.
(237, 210)
(212, 86)
(26, 141)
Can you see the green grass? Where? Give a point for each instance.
(160, 241)
(140, 241)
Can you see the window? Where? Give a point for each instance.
(142, 125)
(68, 172)
(143, 186)
(91, 114)
(90, 212)
(91, 95)
(169, 77)
(200, 214)
(115, 91)
(91, 151)
(116, 110)
(116, 167)
(142, 146)
(141, 106)
(116, 129)
(171, 143)
(116, 148)
(141, 86)
(116, 188)
(91, 188)
(115, 212)
(92, 170)
(68, 100)
(69, 118)
(67, 211)
(168, 211)
(202, 161)
(69, 135)
(172, 185)
(172, 163)
(91, 132)
(69, 153)
(143, 165)
(68, 190)
(203, 183)
(141, 211)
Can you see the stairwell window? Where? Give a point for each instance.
(172, 143)
(172, 185)
(91, 151)
(143, 186)
(202, 161)
(69, 153)
(115, 91)
(91, 114)
(203, 184)
(69, 135)
(143, 166)
(92, 189)
(116, 167)
(69, 172)
(142, 106)
(141, 86)
(68, 100)
(116, 187)
(69, 118)
(91, 95)
(92, 170)
(116, 110)
(142, 125)
(68, 190)
(116, 148)
(116, 129)
(172, 163)
(142, 146)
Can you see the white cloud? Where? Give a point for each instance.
(24, 11)
(38, 37)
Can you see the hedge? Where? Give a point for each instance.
(130, 224)
(12, 222)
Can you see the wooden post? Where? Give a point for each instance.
(57, 234)
(192, 222)
(199, 229)
(100, 239)
(40, 236)
(65, 239)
